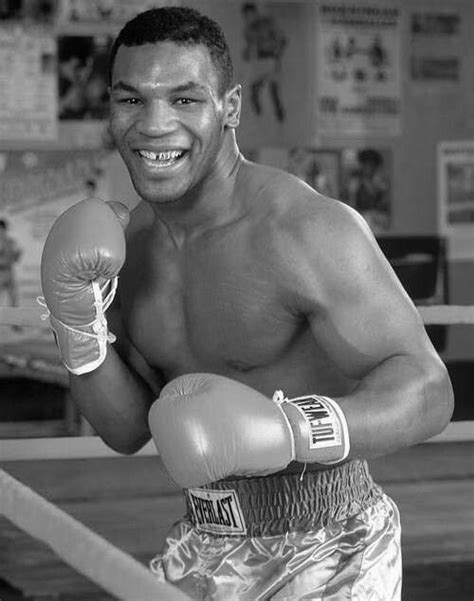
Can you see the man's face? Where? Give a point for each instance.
(167, 118)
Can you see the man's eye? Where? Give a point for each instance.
(128, 100)
(183, 101)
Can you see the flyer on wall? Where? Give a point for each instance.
(435, 50)
(456, 197)
(28, 110)
(104, 12)
(358, 69)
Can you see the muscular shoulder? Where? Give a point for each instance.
(338, 248)
(321, 245)
(325, 227)
(292, 211)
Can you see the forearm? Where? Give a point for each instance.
(115, 400)
(403, 401)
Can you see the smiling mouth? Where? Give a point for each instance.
(165, 158)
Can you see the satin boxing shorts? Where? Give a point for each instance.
(331, 535)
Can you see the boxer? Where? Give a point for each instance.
(262, 338)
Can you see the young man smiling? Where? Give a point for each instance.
(237, 282)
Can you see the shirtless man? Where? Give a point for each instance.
(239, 280)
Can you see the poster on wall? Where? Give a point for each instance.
(358, 69)
(29, 11)
(28, 110)
(435, 49)
(268, 42)
(320, 168)
(264, 42)
(83, 77)
(366, 184)
(98, 13)
(82, 83)
(456, 197)
(36, 187)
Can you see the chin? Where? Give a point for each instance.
(161, 197)
(156, 193)
(160, 200)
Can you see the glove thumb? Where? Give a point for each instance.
(121, 211)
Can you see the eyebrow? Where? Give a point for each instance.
(190, 86)
(185, 87)
(120, 85)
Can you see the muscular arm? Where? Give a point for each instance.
(116, 397)
(366, 323)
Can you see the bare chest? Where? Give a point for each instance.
(210, 309)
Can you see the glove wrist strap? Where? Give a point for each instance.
(321, 433)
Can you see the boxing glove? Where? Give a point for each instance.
(81, 259)
(208, 427)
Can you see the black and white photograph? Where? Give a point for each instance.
(236, 300)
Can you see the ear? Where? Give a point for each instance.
(233, 105)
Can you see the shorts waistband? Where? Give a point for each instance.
(282, 503)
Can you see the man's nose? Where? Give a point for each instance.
(157, 118)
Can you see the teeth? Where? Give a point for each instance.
(167, 155)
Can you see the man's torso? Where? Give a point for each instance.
(222, 303)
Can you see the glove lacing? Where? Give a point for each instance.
(103, 298)
(279, 398)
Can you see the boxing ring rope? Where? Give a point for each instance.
(91, 555)
(112, 569)
(431, 314)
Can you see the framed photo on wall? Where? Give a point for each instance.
(367, 184)
(318, 167)
(456, 197)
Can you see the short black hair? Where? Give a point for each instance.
(182, 25)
